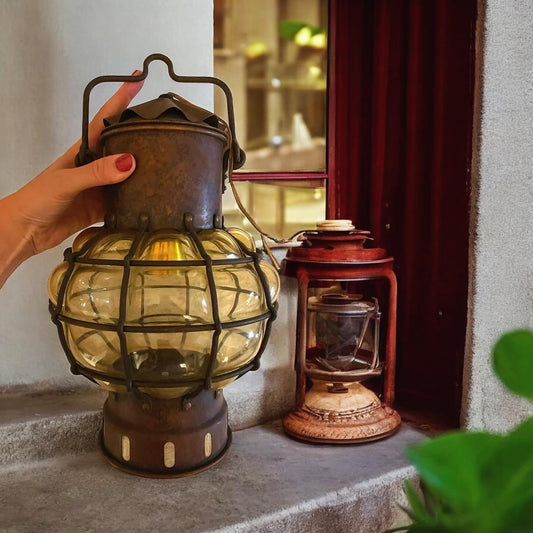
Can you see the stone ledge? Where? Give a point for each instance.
(52, 479)
(266, 483)
(40, 426)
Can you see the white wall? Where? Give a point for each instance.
(49, 50)
(502, 251)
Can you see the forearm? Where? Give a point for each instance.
(15, 243)
(63, 199)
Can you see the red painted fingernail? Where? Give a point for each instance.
(124, 162)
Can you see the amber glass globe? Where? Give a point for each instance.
(169, 330)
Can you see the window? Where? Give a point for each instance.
(273, 55)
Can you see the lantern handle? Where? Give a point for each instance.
(85, 155)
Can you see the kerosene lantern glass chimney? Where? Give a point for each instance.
(343, 333)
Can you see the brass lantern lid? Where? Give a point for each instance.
(182, 155)
(168, 107)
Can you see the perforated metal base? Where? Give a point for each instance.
(165, 439)
(121, 465)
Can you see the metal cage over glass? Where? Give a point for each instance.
(166, 313)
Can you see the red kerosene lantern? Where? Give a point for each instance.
(338, 338)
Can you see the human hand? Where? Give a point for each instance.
(63, 199)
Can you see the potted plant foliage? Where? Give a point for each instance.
(479, 482)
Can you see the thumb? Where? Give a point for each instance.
(103, 171)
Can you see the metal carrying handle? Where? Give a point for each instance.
(85, 155)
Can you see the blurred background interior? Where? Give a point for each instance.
(273, 55)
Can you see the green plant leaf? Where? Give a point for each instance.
(512, 359)
(451, 466)
(520, 521)
(418, 509)
(508, 478)
(431, 500)
(480, 482)
(289, 28)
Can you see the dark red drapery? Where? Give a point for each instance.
(402, 106)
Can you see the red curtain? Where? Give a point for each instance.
(402, 91)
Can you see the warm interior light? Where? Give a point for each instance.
(314, 71)
(318, 40)
(303, 36)
(256, 49)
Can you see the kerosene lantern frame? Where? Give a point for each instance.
(329, 258)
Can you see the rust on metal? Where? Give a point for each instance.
(179, 169)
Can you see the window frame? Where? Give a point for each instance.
(311, 178)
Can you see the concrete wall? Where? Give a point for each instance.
(49, 51)
(502, 236)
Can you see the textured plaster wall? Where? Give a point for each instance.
(49, 51)
(502, 247)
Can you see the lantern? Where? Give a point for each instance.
(163, 306)
(338, 338)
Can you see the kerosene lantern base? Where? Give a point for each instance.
(341, 413)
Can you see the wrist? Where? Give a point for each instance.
(16, 244)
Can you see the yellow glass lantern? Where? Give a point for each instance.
(163, 306)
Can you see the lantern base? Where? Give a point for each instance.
(349, 415)
(163, 439)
